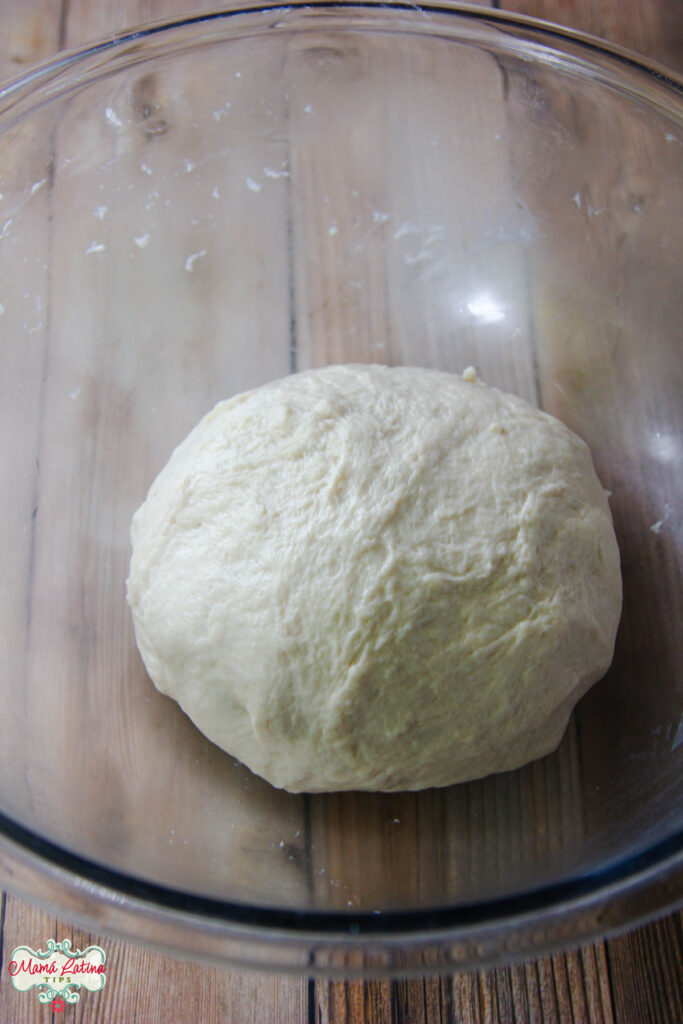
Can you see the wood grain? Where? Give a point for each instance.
(144, 987)
(141, 310)
(632, 979)
(651, 28)
(646, 972)
(30, 33)
(379, 224)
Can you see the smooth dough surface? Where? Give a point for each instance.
(364, 577)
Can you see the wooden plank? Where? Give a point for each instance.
(576, 985)
(396, 266)
(21, 924)
(377, 241)
(152, 206)
(86, 21)
(651, 28)
(389, 273)
(645, 970)
(144, 986)
(24, 290)
(612, 761)
(609, 367)
(25, 286)
(30, 33)
(570, 987)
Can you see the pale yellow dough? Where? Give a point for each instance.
(371, 578)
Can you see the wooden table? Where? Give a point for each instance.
(631, 979)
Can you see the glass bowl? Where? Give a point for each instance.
(195, 208)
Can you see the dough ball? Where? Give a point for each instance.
(365, 577)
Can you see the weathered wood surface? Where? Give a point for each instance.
(631, 979)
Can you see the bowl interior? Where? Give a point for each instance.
(201, 210)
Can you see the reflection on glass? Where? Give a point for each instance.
(486, 309)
